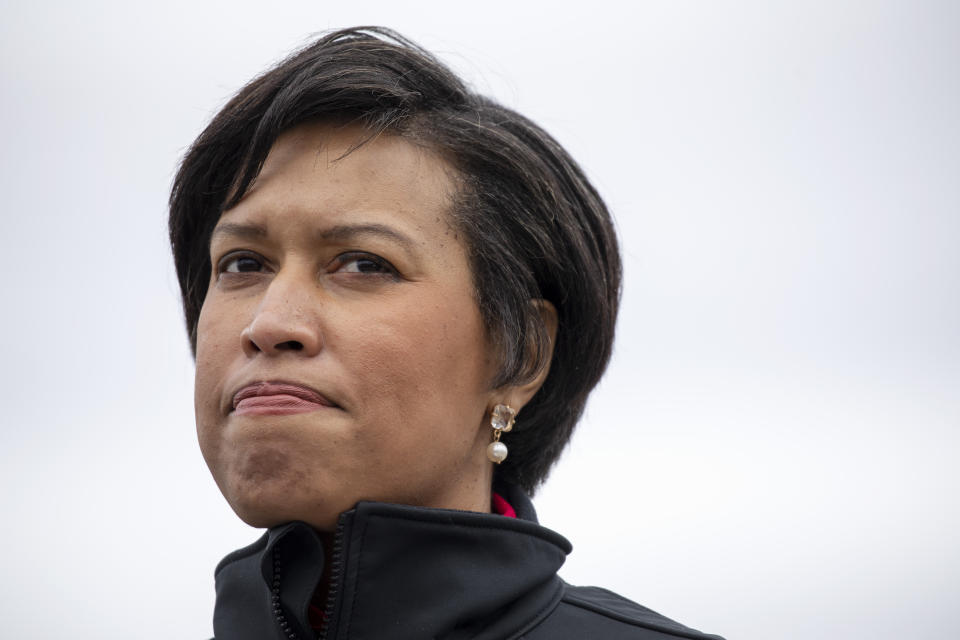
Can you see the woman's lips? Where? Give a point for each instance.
(277, 398)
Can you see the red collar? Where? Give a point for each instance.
(501, 507)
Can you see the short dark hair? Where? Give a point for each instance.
(534, 226)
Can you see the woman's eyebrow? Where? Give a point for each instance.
(344, 232)
(240, 230)
(337, 233)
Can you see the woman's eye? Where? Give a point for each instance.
(365, 263)
(240, 264)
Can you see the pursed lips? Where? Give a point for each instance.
(278, 398)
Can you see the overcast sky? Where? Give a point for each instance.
(773, 452)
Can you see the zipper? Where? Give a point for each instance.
(275, 598)
(336, 577)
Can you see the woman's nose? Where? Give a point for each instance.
(283, 321)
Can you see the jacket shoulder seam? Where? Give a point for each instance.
(678, 630)
(544, 611)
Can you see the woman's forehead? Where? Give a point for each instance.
(339, 173)
(341, 149)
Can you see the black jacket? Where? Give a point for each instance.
(409, 573)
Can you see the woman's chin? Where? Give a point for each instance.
(264, 508)
(268, 515)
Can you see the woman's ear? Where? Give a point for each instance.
(519, 395)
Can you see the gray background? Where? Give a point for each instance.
(773, 451)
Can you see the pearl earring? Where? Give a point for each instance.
(501, 419)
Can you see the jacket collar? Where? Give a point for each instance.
(399, 572)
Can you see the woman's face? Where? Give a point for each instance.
(342, 284)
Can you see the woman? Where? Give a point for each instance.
(399, 295)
